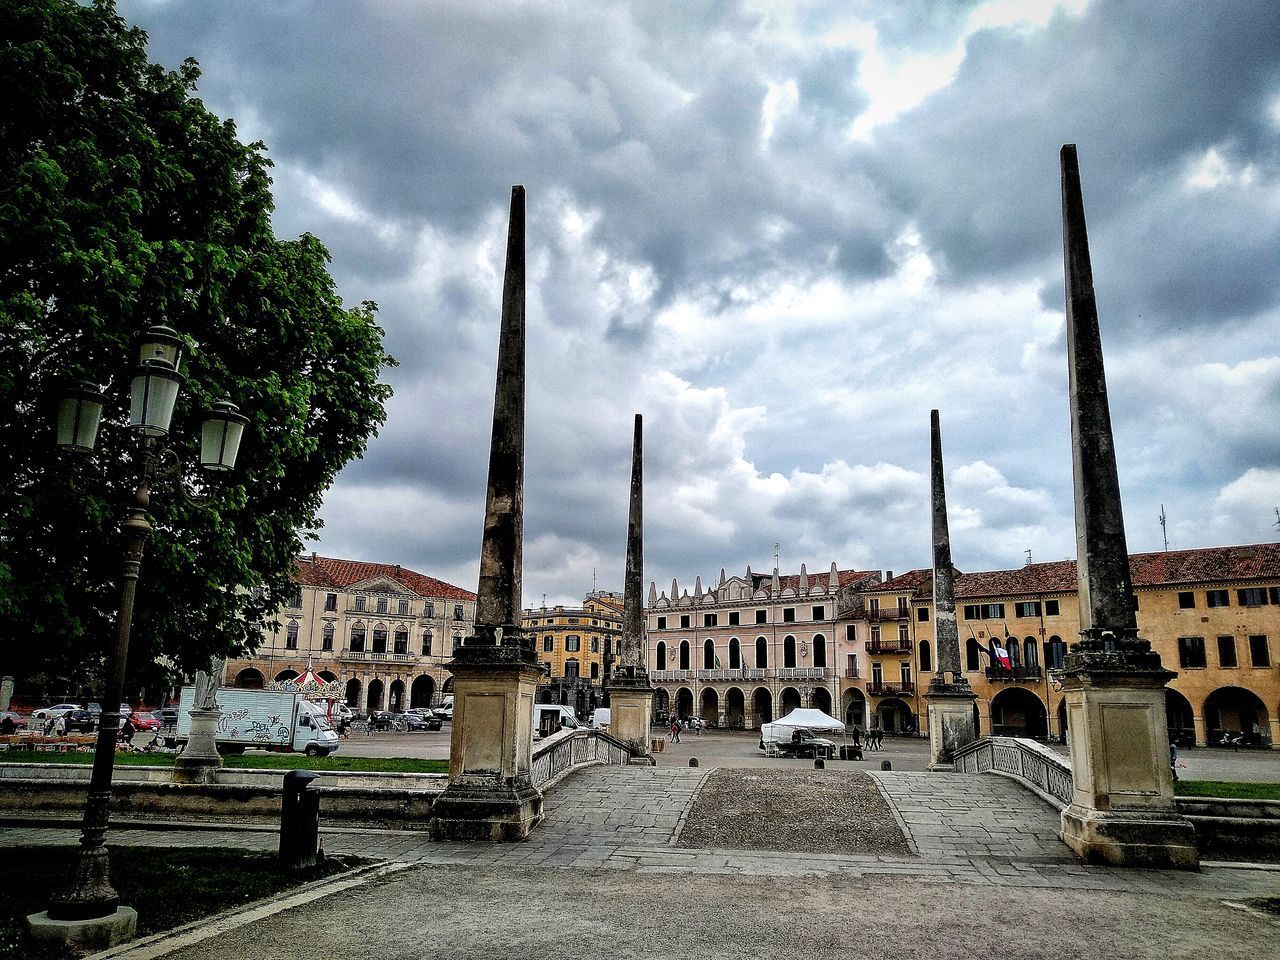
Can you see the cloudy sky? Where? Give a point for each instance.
(782, 232)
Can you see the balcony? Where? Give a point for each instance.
(665, 676)
(1015, 673)
(383, 656)
(888, 646)
(803, 673)
(744, 673)
(889, 615)
(852, 673)
(890, 689)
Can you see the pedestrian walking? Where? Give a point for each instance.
(127, 731)
(675, 731)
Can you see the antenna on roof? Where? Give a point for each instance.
(777, 556)
(1277, 523)
(593, 579)
(1028, 553)
(1164, 526)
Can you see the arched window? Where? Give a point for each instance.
(402, 640)
(661, 655)
(595, 644)
(762, 653)
(735, 654)
(708, 655)
(457, 642)
(427, 637)
(291, 635)
(684, 654)
(819, 650)
(379, 639)
(926, 656)
(789, 651)
(972, 659)
(1055, 652)
(357, 638)
(326, 637)
(1029, 653)
(1015, 651)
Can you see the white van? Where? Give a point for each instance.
(600, 719)
(550, 717)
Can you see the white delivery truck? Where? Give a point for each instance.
(267, 719)
(550, 717)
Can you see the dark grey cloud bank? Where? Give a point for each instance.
(784, 301)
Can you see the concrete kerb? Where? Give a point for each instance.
(167, 941)
(688, 806)
(897, 817)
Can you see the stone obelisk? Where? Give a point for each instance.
(495, 672)
(630, 693)
(950, 699)
(1123, 810)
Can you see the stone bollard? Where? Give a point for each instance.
(819, 764)
(886, 764)
(693, 761)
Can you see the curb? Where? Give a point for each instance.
(167, 941)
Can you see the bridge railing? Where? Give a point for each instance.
(1033, 765)
(560, 754)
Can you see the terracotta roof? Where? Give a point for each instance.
(316, 571)
(1259, 561)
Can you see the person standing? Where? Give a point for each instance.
(675, 731)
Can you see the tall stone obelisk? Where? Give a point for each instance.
(630, 693)
(949, 701)
(490, 795)
(1123, 810)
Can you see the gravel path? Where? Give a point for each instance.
(843, 812)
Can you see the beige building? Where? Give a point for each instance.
(754, 646)
(1213, 615)
(577, 646)
(384, 631)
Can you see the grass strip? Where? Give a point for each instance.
(252, 759)
(1227, 789)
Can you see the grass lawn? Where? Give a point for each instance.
(1221, 788)
(254, 758)
(167, 886)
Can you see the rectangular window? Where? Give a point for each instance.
(295, 598)
(1217, 598)
(788, 614)
(902, 606)
(1273, 594)
(382, 604)
(923, 614)
(457, 612)
(548, 642)
(873, 605)
(403, 607)
(819, 613)
(326, 638)
(291, 637)
(905, 672)
(850, 633)
(1259, 655)
(1227, 652)
(426, 643)
(401, 641)
(360, 604)
(903, 636)
(875, 633)
(984, 611)
(710, 619)
(684, 621)
(1187, 600)
(734, 618)
(762, 616)
(572, 643)
(1051, 608)
(1191, 652)
(1027, 608)
(457, 642)
(573, 619)
(331, 602)
(662, 623)
(430, 610)
(1252, 597)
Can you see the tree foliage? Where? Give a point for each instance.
(124, 203)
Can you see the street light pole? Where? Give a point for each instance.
(91, 894)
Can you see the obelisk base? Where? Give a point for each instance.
(490, 795)
(1123, 812)
(630, 710)
(950, 707)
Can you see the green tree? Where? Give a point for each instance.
(125, 203)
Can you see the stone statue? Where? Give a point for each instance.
(207, 684)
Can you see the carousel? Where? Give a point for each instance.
(314, 687)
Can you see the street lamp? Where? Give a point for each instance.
(152, 396)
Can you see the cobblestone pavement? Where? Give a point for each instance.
(817, 811)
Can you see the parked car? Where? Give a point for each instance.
(144, 721)
(416, 721)
(80, 721)
(11, 722)
(94, 707)
(57, 710)
(168, 716)
(427, 714)
(385, 720)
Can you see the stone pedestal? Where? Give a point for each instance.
(1123, 812)
(99, 933)
(6, 692)
(199, 761)
(490, 795)
(950, 707)
(631, 706)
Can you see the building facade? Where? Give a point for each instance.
(754, 646)
(1213, 615)
(384, 631)
(576, 646)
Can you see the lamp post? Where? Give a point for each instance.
(90, 908)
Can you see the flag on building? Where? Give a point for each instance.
(999, 655)
(718, 663)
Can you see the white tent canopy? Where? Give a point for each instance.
(810, 719)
